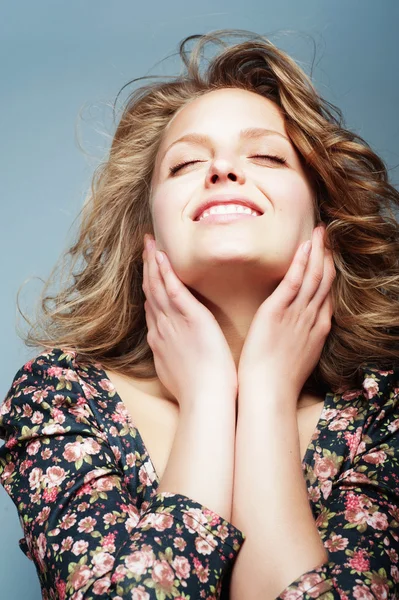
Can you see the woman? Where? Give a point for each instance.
(215, 416)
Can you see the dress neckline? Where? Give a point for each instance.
(309, 448)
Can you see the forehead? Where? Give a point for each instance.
(227, 111)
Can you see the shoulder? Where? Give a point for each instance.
(42, 388)
(380, 389)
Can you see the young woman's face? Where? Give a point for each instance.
(226, 163)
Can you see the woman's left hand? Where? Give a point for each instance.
(288, 332)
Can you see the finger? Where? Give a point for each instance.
(314, 270)
(329, 275)
(153, 284)
(178, 293)
(151, 324)
(290, 285)
(322, 325)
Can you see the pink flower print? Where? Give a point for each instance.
(66, 544)
(309, 581)
(87, 524)
(27, 410)
(352, 441)
(73, 451)
(359, 561)
(50, 495)
(354, 510)
(102, 585)
(377, 457)
(52, 429)
(43, 515)
(139, 593)
(338, 425)
(349, 413)
(71, 375)
(378, 521)
(80, 576)
(370, 387)
(146, 474)
(161, 521)
(193, 518)
(350, 394)
(56, 372)
(35, 478)
(58, 415)
(28, 365)
(80, 547)
(379, 587)
(39, 396)
(289, 595)
(182, 567)
(68, 521)
(107, 385)
(131, 523)
(108, 543)
(33, 447)
(326, 488)
(130, 459)
(394, 426)
(37, 417)
(138, 562)
(330, 413)
(119, 574)
(325, 468)
(54, 476)
(395, 573)
(106, 484)
(9, 470)
(109, 519)
(60, 586)
(162, 573)
(89, 390)
(117, 453)
(361, 592)
(103, 562)
(41, 547)
(336, 543)
(205, 544)
(314, 493)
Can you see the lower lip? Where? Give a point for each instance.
(227, 218)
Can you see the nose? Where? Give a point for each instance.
(223, 169)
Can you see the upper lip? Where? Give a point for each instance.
(225, 199)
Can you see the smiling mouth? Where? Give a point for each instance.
(225, 217)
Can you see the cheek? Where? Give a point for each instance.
(170, 222)
(291, 195)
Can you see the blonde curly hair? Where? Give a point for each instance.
(100, 313)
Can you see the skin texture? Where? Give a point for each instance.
(232, 268)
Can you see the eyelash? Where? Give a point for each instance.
(278, 159)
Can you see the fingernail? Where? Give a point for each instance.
(159, 257)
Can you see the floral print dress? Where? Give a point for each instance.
(85, 489)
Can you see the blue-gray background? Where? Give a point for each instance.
(64, 62)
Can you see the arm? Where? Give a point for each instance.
(282, 540)
(201, 461)
(83, 525)
(357, 521)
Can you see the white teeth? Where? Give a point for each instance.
(228, 209)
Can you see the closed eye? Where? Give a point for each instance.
(278, 159)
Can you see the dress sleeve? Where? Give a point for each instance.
(82, 527)
(359, 521)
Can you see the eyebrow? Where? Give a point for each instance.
(249, 134)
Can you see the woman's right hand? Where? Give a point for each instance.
(190, 350)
